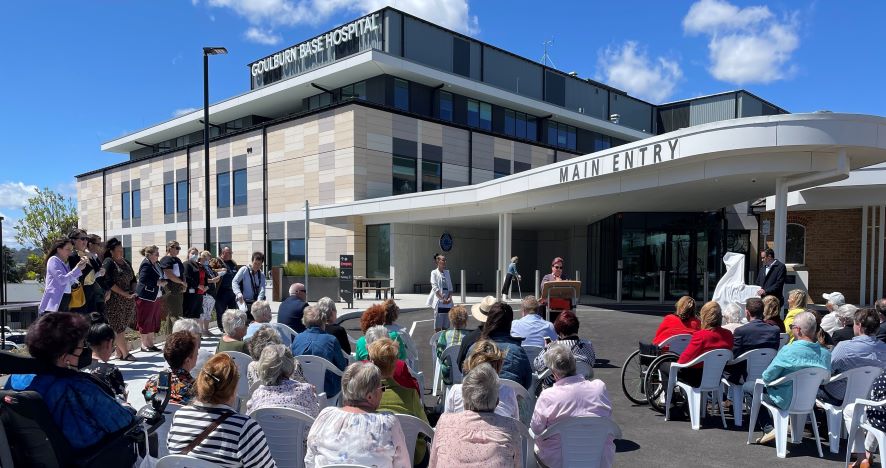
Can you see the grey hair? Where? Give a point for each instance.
(264, 336)
(560, 360)
(732, 313)
(233, 320)
(326, 307)
(275, 365)
(529, 305)
(313, 317)
(358, 381)
(846, 314)
(479, 389)
(807, 324)
(188, 325)
(375, 333)
(261, 311)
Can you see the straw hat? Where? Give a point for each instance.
(480, 311)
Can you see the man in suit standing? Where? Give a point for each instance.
(771, 276)
(755, 334)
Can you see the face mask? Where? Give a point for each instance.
(193, 258)
(85, 358)
(206, 263)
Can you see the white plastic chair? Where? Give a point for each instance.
(314, 369)
(412, 427)
(855, 424)
(756, 361)
(582, 438)
(292, 333)
(714, 361)
(183, 461)
(527, 442)
(524, 399)
(285, 430)
(532, 352)
(583, 368)
(345, 466)
(452, 353)
(783, 339)
(242, 360)
(340, 318)
(677, 343)
(437, 377)
(804, 387)
(858, 385)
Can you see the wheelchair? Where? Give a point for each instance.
(30, 437)
(642, 379)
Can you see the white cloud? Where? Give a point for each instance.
(67, 189)
(266, 15)
(631, 69)
(181, 112)
(260, 36)
(15, 194)
(745, 45)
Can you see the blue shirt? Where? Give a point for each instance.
(512, 269)
(316, 342)
(858, 352)
(255, 326)
(80, 408)
(532, 328)
(796, 356)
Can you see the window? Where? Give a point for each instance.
(296, 250)
(531, 129)
(431, 175)
(511, 123)
(354, 91)
(479, 114)
(445, 106)
(485, 116)
(378, 251)
(182, 202)
(275, 252)
(319, 100)
(404, 175)
(136, 204)
(223, 187)
(168, 198)
(124, 204)
(796, 244)
(240, 187)
(561, 135)
(519, 125)
(401, 94)
(473, 113)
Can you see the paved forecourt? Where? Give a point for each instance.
(648, 440)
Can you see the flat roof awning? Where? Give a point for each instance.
(694, 169)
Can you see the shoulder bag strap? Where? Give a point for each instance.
(203, 435)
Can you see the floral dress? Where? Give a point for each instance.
(372, 439)
(180, 387)
(119, 309)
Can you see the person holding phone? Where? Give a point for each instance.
(59, 277)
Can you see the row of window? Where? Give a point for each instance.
(405, 177)
(277, 255)
(175, 195)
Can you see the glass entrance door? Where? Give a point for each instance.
(679, 278)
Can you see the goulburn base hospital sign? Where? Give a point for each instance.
(643, 156)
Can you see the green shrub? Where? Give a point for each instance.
(314, 270)
(31, 275)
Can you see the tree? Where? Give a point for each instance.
(48, 215)
(13, 273)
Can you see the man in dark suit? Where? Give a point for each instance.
(292, 308)
(755, 334)
(771, 276)
(880, 307)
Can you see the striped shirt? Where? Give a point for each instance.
(237, 442)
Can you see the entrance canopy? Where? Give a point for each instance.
(699, 168)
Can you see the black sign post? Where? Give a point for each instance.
(346, 279)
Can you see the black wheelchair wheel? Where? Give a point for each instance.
(656, 380)
(632, 373)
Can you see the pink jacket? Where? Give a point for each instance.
(58, 280)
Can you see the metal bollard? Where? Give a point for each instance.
(705, 287)
(661, 286)
(464, 287)
(537, 281)
(497, 285)
(577, 275)
(618, 281)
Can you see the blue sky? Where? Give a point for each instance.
(80, 73)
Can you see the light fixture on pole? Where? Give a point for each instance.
(207, 51)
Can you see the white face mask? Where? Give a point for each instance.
(193, 258)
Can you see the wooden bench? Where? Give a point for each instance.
(378, 291)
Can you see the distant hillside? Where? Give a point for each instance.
(21, 255)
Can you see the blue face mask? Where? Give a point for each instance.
(206, 263)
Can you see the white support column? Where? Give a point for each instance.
(880, 256)
(505, 222)
(873, 256)
(501, 248)
(781, 218)
(864, 255)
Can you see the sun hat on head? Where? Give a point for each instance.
(835, 298)
(481, 310)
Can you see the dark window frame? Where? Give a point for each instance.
(239, 199)
(125, 205)
(169, 198)
(181, 204)
(223, 197)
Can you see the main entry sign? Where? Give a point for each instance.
(643, 156)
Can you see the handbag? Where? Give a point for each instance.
(78, 298)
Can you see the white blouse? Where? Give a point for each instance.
(507, 402)
(371, 439)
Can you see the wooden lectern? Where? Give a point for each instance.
(563, 290)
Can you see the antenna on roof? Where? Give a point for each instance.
(546, 58)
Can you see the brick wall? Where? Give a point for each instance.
(833, 250)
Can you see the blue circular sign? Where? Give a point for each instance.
(446, 242)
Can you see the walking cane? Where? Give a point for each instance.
(519, 290)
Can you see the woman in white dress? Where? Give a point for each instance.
(440, 299)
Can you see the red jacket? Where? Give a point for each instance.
(672, 325)
(706, 340)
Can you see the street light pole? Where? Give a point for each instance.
(2, 269)
(207, 51)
